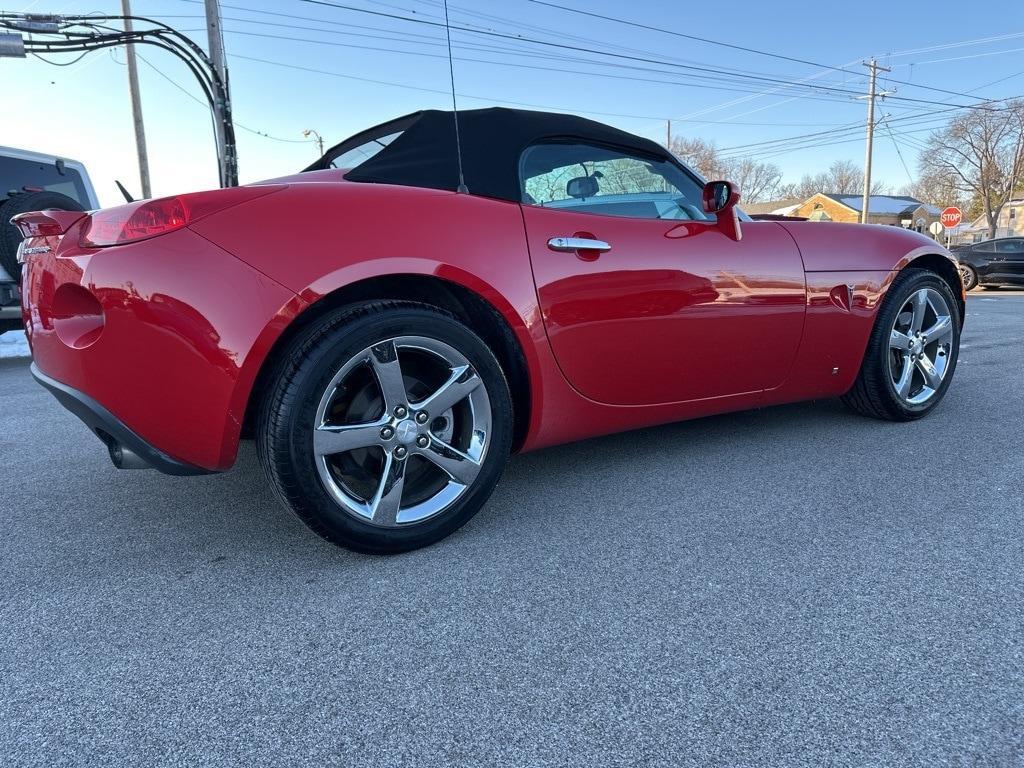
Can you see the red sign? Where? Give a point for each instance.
(951, 217)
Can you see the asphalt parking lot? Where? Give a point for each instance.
(791, 586)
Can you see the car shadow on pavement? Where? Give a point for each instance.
(552, 492)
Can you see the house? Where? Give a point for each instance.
(896, 211)
(774, 207)
(1009, 224)
(891, 210)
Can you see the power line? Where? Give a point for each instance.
(746, 49)
(581, 49)
(826, 95)
(202, 103)
(896, 145)
(726, 74)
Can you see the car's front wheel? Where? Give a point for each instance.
(912, 351)
(387, 426)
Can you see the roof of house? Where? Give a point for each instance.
(772, 206)
(884, 204)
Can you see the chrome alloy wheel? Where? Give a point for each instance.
(402, 430)
(920, 346)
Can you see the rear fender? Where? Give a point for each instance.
(318, 238)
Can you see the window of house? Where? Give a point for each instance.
(592, 179)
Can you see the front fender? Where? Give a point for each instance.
(830, 247)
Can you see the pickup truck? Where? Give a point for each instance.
(32, 181)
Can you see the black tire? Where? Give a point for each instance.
(10, 237)
(970, 276)
(305, 371)
(874, 393)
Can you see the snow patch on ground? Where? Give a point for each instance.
(14, 344)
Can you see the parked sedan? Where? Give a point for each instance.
(992, 263)
(391, 323)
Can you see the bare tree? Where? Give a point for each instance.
(698, 154)
(938, 189)
(844, 178)
(757, 180)
(981, 154)
(805, 188)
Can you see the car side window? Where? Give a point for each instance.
(986, 247)
(593, 179)
(1010, 246)
(359, 155)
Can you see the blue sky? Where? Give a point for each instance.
(371, 68)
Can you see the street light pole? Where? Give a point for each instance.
(136, 99)
(318, 139)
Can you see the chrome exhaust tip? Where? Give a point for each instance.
(124, 458)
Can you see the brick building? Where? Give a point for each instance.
(907, 212)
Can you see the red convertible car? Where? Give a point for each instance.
(391, 323)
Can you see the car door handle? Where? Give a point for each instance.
(571, 244)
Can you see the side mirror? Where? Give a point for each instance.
(721, 198)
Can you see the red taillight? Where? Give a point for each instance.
(135, 221)
(149, 218)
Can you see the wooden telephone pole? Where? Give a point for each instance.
(875, 69)
(133, 90)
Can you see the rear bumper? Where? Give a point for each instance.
(159, 340)
(111, 430)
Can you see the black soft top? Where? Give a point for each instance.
(493, 140)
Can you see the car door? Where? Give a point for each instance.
(1010, 255)
(644, 299)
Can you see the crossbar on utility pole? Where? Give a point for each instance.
(136, 99)
(875, 69)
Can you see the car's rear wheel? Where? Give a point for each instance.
(387, 426)
(969, 275)
(912, 352)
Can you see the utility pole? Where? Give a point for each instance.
(133, 89)
(875, 68)
(668, 135)
(222, 103)
(67, 33)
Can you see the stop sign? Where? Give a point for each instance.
(951, 217)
